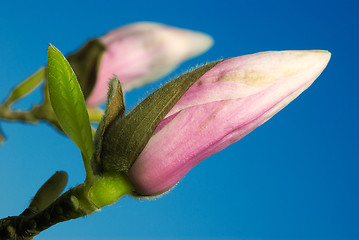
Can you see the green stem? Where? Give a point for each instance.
(7, 114)
(77, 202)
(109, 188)
(37, 113)
(72, 204)
(88, 169)
(46, 113)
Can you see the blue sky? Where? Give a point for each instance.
(295, 177)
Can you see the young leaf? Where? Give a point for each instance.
(125, 139)
(68, 103)
(26, 87)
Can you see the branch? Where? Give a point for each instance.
(72, 204)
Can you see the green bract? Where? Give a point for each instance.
(115, 109)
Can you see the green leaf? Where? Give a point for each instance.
(115, 108)
(68, 103)
(125, 139)
(26, 87)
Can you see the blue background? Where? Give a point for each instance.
(295, 177)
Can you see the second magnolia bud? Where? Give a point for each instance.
(140, 53)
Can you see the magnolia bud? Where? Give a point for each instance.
(225, 104)
(143, 52)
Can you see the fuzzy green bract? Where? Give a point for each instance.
(115, 109)
(125, 139)
(68, 102)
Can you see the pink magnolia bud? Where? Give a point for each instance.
(224, 105)
(142, 52)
